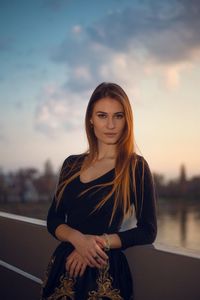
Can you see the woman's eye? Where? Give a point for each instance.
(119, 116)
(101, 116)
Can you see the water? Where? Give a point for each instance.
(178, 223)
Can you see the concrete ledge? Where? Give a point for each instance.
(159, 272)
(14, 286)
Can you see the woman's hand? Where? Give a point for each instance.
(75, 264)
(90, 247)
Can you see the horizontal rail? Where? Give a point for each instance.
(22, 218)
(20, 272)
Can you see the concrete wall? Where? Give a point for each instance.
(159, 272)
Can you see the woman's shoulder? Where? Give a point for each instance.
(140, 163)
(71, 164)
(73, 159)
(138, 158)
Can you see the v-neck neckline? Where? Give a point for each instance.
(97, 178)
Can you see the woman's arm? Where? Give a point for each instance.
(89, 246)
(146, 228)
(56, 217)
(56, 224)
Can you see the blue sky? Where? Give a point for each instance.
(53, 53)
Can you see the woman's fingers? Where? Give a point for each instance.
(89, 262)
(82, 269)
(69, 262)
(101, 253)
(97, 260)
(75, 264)
(100, 240)
(77, 269)
(96, 257)
(101, 261)
(90, 250)
(72, 268)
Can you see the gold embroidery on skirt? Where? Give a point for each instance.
(65, 290)
(105, 289)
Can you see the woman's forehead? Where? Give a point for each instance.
(108, 104)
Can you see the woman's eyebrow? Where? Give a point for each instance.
(118, 112)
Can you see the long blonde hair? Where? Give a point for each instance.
(126, 157)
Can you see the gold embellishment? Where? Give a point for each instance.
(104, 283)
(107, 247)
(65, 290)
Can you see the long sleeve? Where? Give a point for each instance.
(57, 217)
(146, 227)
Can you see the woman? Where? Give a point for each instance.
(96, 192)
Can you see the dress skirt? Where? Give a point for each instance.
(112, 281)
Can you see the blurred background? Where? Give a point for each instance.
(53, 53)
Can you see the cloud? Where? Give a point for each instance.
(147, 33)
(172, 74)
(77, 29)
(166, 31)
(83, 58)
(169, 74)
(64, 107)
(149, 38)
(59, 110)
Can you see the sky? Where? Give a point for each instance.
(53, 53)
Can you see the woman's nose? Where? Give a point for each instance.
(110, 123)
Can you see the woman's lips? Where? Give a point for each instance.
(110, 134)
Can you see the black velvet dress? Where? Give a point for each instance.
(114, 281)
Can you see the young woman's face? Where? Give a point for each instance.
(108, 120)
